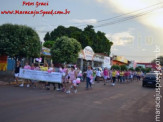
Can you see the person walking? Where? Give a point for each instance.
(98, 75)
(105, 73)
(114, 77)
(121, 76)
(88, 77)
(73, 76)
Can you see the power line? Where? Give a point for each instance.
(129, 13)
(120, 19)
(126, 18)
(112, 18)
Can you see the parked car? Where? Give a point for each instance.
(149, 79)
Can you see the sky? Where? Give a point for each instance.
(136, 39)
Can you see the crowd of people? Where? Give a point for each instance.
(72, 76)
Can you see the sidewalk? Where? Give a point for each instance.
(6, 76)
(2, 83)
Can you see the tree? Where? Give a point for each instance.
(143, 69)
(138, 69)
(47, 37)
(123, 67)
(131, 69)
(147, 70)
(58, 32)
(159, 59)
(48, 44)
(65, 50)
(86, 37)
(19, 41)
(116, 67)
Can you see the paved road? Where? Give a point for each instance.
(128, 102)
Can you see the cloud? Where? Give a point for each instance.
(152, 19)
(121, 39)
(85, 21)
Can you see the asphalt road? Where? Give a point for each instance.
(128, 102)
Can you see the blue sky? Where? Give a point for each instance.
(135, 39)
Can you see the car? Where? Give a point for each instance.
(149, 80)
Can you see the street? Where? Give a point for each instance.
(129, 102)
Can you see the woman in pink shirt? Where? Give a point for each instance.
(27, 66)
(105, 73)
(32, 66)
(73, 76)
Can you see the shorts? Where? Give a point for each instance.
(68, 81)
(16, 74)
(105, 77)
(74, 83)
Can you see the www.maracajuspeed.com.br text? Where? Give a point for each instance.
(34, 12)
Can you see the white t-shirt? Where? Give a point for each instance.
(98, 73)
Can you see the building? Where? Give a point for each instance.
(119, 60)
(88, 57)
(132, 64)
(147, 65)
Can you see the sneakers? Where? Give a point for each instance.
(113, 84)
(21, 85)
(68, 92)
(63, 89)
(75, 91)
(28, 85)
(58, 89)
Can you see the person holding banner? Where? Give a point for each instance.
(17, 69)
(35, 82)
(27, 66)
(32, 66)
(50, 69)
(62, 85)
(45, 67)
(37, 68)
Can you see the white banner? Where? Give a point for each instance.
(107, 62)
(88, 53)
(54, 77)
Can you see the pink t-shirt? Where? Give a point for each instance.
(32, 68)
(72, 75)
(105, 72)
(37, 68)
(27, 67)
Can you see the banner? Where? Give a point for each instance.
(88, 53)
(107, 62)
(54, 77)
(46, 51)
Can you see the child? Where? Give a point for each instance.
(68, 85)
